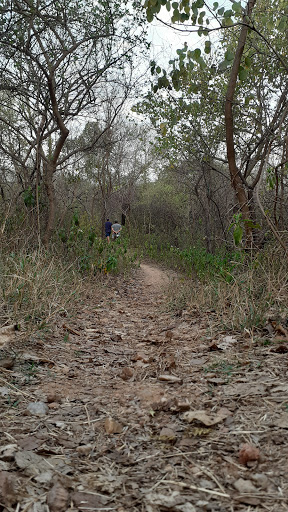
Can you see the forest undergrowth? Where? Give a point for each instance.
(38, 284)
(243, 288)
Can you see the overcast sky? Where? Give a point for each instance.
(165, 40)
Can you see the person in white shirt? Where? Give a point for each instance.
(116, 228)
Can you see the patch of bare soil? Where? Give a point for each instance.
(128, 407)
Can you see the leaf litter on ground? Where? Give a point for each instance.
(190, 428)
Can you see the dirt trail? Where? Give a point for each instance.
(144, 410)
(155, 277)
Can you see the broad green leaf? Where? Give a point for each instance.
(237, 8)
(248, 62)
(229, 56)
(207, 47)
(270, 24)
(243, 73)
(228, 22)
(202, 63)
(223, 65)
(149, 15)
(238, 234)
(184, 17)
(248, 99)
(176, 16)
(228, 13)
(282, 25)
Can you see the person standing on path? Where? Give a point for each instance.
(108, 226)
(116, 228)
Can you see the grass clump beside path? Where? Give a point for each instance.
(38, 284)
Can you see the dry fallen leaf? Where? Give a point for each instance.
(7, 334)
(279, 328)
(89, 501)
(126, 373)
(84, 449)
(281, 349)
(170, 378)
(167, 434)
(281, 422)
(243, 486)
(169, 335)
(205, 418)
(248, 453)
(214, 346)
(7, 363)
(227, 342)
(245, 388)
(57, 498)
(182, 405)
(7, 452)
(112, 426)
(7, 492)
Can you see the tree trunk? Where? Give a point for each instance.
(48, 180)
(236, 180)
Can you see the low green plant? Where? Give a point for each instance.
(91, 253)
(193, 261)
(225, 367)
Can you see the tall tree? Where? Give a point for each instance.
(252, 57)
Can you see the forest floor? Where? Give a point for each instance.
(128, 405)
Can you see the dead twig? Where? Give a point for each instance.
(195, 488)
(17, 391)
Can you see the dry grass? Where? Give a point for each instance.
(35, 287)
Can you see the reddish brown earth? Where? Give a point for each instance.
(145, 409)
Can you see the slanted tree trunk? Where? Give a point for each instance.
(51, 163)
(237, 183)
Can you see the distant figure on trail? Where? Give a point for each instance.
(108, 226)
(116, 228)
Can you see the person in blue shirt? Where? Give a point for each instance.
(108, 226)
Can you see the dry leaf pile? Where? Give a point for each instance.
(126, 407)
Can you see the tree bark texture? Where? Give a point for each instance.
(236, 180)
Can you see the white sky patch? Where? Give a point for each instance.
(165, 40)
